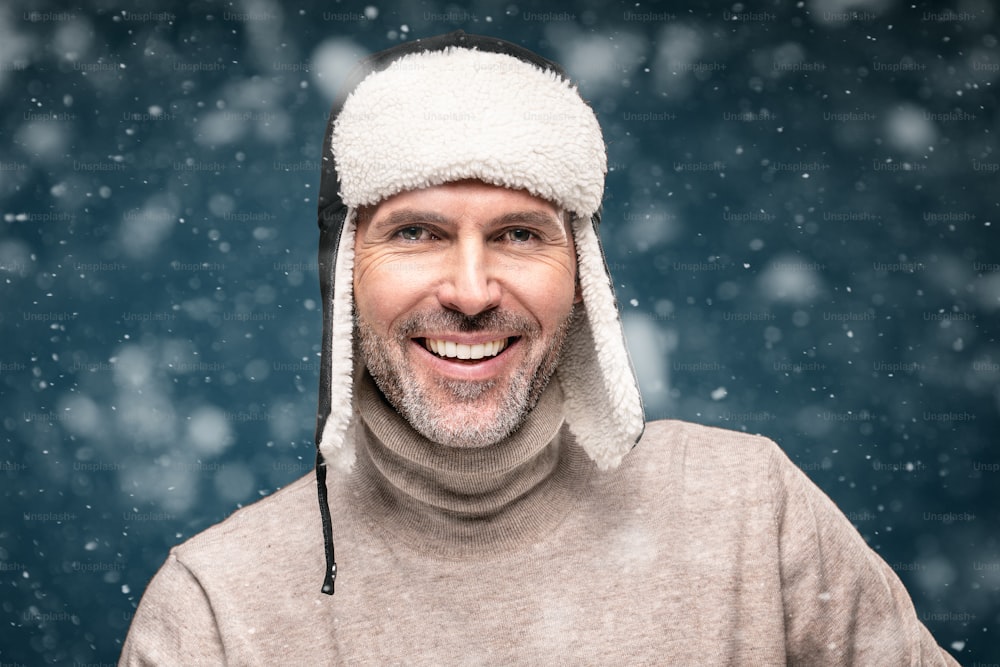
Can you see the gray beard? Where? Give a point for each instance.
(385, 361)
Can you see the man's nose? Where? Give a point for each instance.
(470, 285)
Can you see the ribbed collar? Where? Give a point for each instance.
(458, 502)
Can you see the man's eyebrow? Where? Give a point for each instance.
(408, 216)
(533, 218)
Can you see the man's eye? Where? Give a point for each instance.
(519, 235)
(411, 233)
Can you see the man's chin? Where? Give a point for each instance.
(477, 419)
(468, 434)
(467, 395)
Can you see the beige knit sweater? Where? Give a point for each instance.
(706, 547)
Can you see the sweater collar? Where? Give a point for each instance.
(457, 501)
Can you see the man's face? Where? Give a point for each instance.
(463, 293)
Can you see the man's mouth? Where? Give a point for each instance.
(447, 349)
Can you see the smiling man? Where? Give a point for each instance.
(464, 347)
(477, 430)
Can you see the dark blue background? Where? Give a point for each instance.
(800, 221)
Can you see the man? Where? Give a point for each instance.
(478, 419)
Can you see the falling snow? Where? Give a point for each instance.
(800, 224)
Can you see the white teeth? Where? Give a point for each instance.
(453, 350)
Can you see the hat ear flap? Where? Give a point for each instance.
(337, 439)
(603, 405)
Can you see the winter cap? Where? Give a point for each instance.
(452, 108)
(439, 116)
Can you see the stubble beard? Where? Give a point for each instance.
(459, 413)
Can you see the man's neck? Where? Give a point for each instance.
(466, 501)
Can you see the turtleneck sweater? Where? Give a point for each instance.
(704, 547)
(466, 503)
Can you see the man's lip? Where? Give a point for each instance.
(484, 369)
(468, 338)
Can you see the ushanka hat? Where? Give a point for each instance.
(452, 108)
